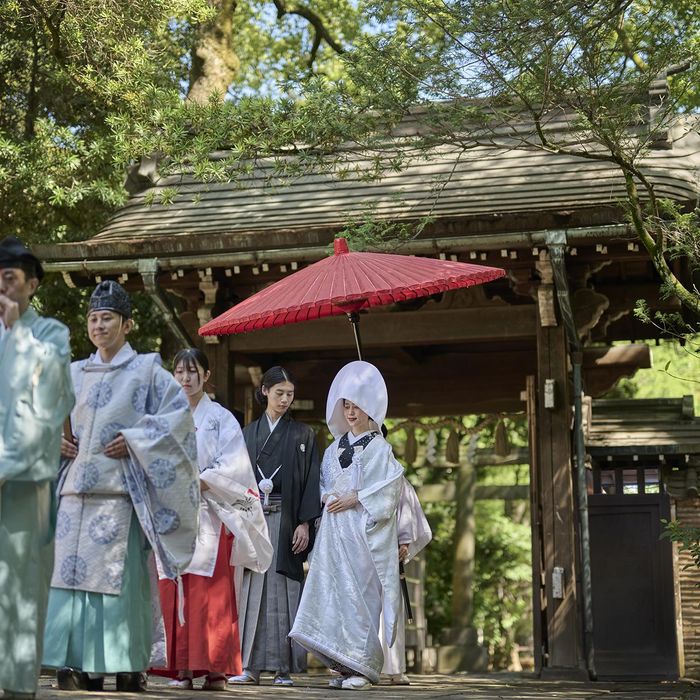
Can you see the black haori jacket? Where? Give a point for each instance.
(293, 445)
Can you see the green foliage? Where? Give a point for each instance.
(674, 373)
(688, 539)
(439, 561)
(502, 577)
(503, 582)
(87, 86)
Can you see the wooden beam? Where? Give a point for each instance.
(604, 367)
(458, 382)
(439, 493)
(401, 328)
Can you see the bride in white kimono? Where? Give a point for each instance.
(354, 573)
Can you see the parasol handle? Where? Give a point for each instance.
(354, 318)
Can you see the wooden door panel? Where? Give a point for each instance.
(632, 571)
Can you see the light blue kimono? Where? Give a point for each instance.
(112, 511)
(36, 396)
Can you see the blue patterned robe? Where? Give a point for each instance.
(110, 510)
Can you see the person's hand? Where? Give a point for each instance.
(403, 552)
(300, 539)
(344, 502)
(116, 449)
(203, 486)
(69, 449)
(9, 311)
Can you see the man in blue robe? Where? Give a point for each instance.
(129, 489)
(36, 396)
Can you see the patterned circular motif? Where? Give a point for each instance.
(86, 477)
(159, 388)
(113, 575)
(167, 521)
(155, 427)
(138, 398)
(103, 529)
(193, 493)
(99, 395)
(189, 444)
(162, 473)
(73, 570)
(109, 432)
(63, 524)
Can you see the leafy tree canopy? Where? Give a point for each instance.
(89, 87)
(78, 80)
(82, 82)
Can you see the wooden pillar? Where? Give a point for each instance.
(562, 636)
(220, 356)
(461, 650)
(539, 602)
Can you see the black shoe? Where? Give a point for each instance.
(96, 683)
(71, 679)
(133, 682)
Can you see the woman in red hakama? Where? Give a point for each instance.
(232, 532)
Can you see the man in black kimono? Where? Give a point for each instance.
(286, 462)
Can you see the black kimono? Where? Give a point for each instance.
(293, 446)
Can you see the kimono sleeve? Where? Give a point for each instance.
(326, 486)
(382, 486)
(413, 527)
(310, 502)
(230, 460)
(234, 497)
(162, 473)
(36, 363)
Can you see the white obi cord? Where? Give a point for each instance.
(266, 484)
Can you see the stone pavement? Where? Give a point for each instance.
(509, 686)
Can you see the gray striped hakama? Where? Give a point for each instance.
(266, 610)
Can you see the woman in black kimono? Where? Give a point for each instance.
(286, 463)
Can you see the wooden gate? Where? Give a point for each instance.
(633, 596)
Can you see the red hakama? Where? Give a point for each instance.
(208, 642)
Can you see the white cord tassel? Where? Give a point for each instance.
(266, 485)
(180, 601)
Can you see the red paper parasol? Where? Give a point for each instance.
(346, 283)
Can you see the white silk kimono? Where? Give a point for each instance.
(354, 572)
(232, 497)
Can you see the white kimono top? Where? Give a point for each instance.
(232, 497)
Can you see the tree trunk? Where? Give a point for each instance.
(214, 62)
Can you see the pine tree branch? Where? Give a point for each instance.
(687, 298)
(321, 33)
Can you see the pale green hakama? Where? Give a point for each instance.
(99, 632)
(26, 561)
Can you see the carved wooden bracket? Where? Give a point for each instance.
(208, 287)
(521, 282)
(546, 292)
(588, 307)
